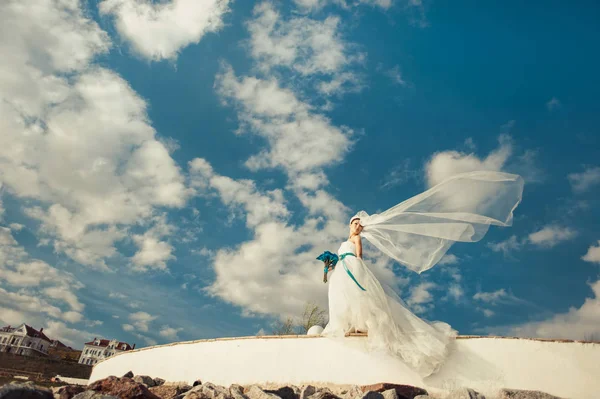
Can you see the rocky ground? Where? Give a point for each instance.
(144, 387)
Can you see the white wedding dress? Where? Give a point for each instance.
(390, 325)
(416, 233)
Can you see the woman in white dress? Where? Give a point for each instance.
(416, 233)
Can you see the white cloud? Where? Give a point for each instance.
(258, 207)
(304, 45)
(547, 237)
(70, 336)
(396, 76)
(501, 297)
(300, 141)
(492, 297)
(578, 323)
(140, 321)
(81, 146)
(443, 165)
(421, 298)
(34, 287)
(448, 259)
(551, 235)
(400, 174)
(314, 5)
(153, 252)
(169, 332)
(507, 246)
(581, 182)
(456, 292)
(128, 327)
(593, 254)
(553, 103)
(160, 30)
(16, 226)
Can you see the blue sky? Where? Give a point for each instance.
(169, 171)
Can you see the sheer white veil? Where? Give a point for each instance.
(420, 230)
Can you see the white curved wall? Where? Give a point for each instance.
(565, 369)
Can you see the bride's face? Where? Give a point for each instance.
(355, 227)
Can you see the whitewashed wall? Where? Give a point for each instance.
(566, 369)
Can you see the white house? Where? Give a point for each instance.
(24, 340)
(100, 349)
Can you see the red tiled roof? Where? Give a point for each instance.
(30, 331)
(105, 342)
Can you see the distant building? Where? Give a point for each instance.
(100, 349)
(24, 340)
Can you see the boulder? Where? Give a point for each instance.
(68, 391)
(353, 393)
(237, 392)
(464, 393)
(373, 395)
(324, 393)
(144, 379)
(123, 388)
(390, 394)
(128, 374)
(22, 391)
(208, 391)
(169, 391)
(255, 392)
(403, 391)
(306, 391)
(158, 382)
(93, 395)
(286, 392)
(524, 394)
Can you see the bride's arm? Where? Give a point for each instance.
(358, 243)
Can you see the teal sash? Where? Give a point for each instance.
(342, 256)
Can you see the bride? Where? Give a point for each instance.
(416, 233)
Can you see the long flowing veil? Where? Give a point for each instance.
(420, 230)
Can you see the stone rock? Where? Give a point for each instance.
(403, 391)
(144, 379)
(68, 391)
(208, 391)
(93, 395)
(128, 374)
(255, 392)
(374, 395)
(123, 388)
(306, 391)
(324, 393)
(524, 394)
(353, 393)
(158, 382)
(196, 383)
(390, 394)
(237, 392)
(169, 391)
(22, 391)
(286, 392)
(464, 393)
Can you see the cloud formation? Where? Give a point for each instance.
(582, 182)
(80, 147)
(158, 31)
